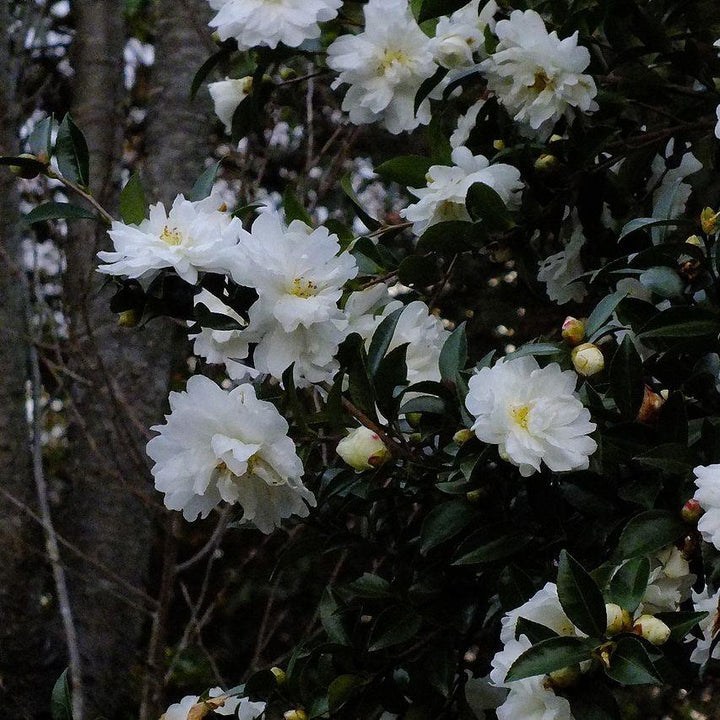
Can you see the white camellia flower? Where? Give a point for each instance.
(459, 37)
(466, 124)
(385, 66)
(705, 602)
(444, 197)
(559, 272)
(717, 127)
(227, 95)
(228, 446)
(532, 414)
(669, 583)
(262, 22)
(363, 308)
(223, 347)
(299, 274)
(536, 76)
(707, 480)
(241, 708)
(193, 237)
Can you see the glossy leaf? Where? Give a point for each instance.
(648, 532)
(394, 626)
(71, 152)
(548, 656)
(454, 355)
(626, 379)
(580, 597)
(61, 698)
(133, 204)
(205, 183)
(629, 584)
(630, 664)
(407, 170)
(445, 522)
(59, 211)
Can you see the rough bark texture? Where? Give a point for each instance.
(112, 508)
(25, 655)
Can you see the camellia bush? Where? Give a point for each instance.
(497, 390)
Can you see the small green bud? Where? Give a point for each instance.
(462, 436)
(128, 319)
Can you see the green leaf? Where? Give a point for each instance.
(627, 386)
(204, 186)
(451, 237)
(580, 597)
(629, 583)
(206, 68)
(681, 623)
(133, 205)
(419, 271)
(630, 664)
(391, 380)
(407, 170)
(370, 586)
(603, 310)
(294, 209)
(435, 8)
(61, 699)
(59, 211)
(381, 340)
(593, 701)
(548, 656)
(40, 140)
(331, 618)
(454, 355)
(370, 222)
(342, 689)
(534, 631)
(445, 522)
(648, 532)
(394, 626)
(71, 152)
(682, 322)
(647, 224)
(24, 166)
(484, 204)
(260, 685)
(498, 549)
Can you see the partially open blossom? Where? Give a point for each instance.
(459, 37)
(227, 95)
(362, 449)
(189, 708)
(258, 22)
(710, 221)
(587, 359)
(708, 602)
(220, 446)
(532, 414)
(652, 629)
(560, 272)
(573, 331)
(618, 619)
(385, 66)
(707, 480)
(538, 77)
(650, 407)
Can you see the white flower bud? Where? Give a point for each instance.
(588, 359)
(227, 96)
(652, 629)
(363, 449)
(295, 715)
(462, 436)
(280, 676)
(618, 620)
(573, 330)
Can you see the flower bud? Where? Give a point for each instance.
(618, 619)
(710, 221)
(650, 408)
(280, 676)
(546, 163)
(413, 419)
(652, 629)
(588, 359)
(476, 496)
(573, 331)
(499, 144)
(695, 240)
(295, 715)
(692, 511)
(128, 319)
(363, 449)
(555, 138)
(563, 678)
(462, 436)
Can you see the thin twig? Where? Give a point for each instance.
(104, 214)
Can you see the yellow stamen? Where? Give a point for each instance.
(171, 236)
(303, 288)
(520, 416)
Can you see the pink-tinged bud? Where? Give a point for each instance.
(295, 715)
(462, 436)
(588, 360)
(618, 619)
(563, 678)
(363, 449)
(650, 408)
(573, 331)
(710, 221)
(692, 511)
(652, 629)
(546, 163)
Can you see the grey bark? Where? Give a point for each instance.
(26, 656)
(112, 510)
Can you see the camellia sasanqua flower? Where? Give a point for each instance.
(460, 36)
(193, 237)
(535, 75)
(385, 66)
(707, 480)
(259, 22)
(227, 95)
(560, 272)
(669, 583)
(219, 446)
(532, 414)
(218, 703)
(299, 274)
(444, 197)
(708, 602)
(466, 124)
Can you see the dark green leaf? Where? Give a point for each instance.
(59, 211)
(25, 167)
(204, 186)
(435, 8)
(40, 140)
(647, 224)
(370, 586)
(445, 522)
(260, 685)
(370, 222)
(454, 355)
(71, 152)
(342, 689)
(419, 271)
(61, 698)
(535, 632)
(429, 85)
(294, 209)
(484, 204)
(394, 626)
(498, 549)
(133, 205)
(682, 322)
(206, 68)
(604, 309)
(331, 618)
(629, 584)
(648, 532)
(630, 664)
(548, 656)
(681, 623)
(580, 597)
(626, 379)
(451, 237)
(391, 380)
(407, 170)
(381, 340)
